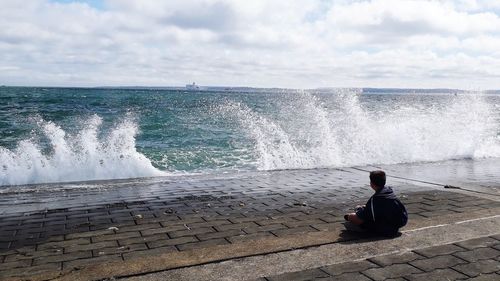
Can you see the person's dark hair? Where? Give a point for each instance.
(378, 178)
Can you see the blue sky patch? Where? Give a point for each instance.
(98, 4)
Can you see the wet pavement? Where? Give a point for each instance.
(474, 259)
(168, 223)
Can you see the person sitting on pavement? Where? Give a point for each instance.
(383, 214)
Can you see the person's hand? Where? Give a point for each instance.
(359, 208)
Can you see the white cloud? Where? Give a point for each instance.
(307, 43)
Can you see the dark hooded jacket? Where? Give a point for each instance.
(383, 213)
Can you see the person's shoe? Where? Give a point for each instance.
(352, 227)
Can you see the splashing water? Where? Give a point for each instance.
(347, 133)
(76, 158)
(223, 132)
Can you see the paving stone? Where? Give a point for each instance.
(439, 207)
(161, 218)
(20, 250)
(330, 218)
(287, 214)
(437, 213)
(250, 237)
(436, 275)
(272, 220)
(203, 244)
(395, 258)
(23, 243)
(123, 235)
(464, 199)
(65, 243)
(91, 261)
(213, 235)
(486, 277)
(479, 267)
(89, 234)
(15, 264)
(137, 227)
(93, 246)
(96, 227)
(30, 271)
(264, 228)
(478, 254)
(292, 224)
(63, 257)
(247, 219)
(479, 242)
(437, 262)
(300, 275)
(391, 271)
(258, 279)
(439, 250)
(123, 221)
(328, 226)
(337, 269)
(239, 226)
(209, 223)
(143, 239)
(33, 254)
(165, 229)
(119, 250)
(172, 242)
(347, 277)
(293, 231)
(149, 252)
(191, 232)
(182, 221)
(468, 209)
(31, 226)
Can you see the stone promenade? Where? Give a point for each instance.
(474, 259)
(129, 228)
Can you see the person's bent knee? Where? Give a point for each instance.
(352, 217)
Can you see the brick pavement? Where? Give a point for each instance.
(44, 234)
(475, 259)
(479, 175)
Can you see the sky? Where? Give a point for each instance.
(258, 43)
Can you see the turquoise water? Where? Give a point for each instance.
(66, 134)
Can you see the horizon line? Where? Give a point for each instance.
(205, 87)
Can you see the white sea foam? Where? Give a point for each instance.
(79, 157)
(294, 131)
(348, 133)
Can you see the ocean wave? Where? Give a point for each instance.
(340, 131)
(274, 131)
(79, 157)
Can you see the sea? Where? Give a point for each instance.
(56, 135)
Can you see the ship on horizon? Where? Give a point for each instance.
(192, 87)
